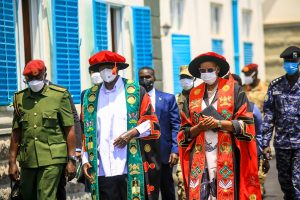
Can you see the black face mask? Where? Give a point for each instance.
(147, 84)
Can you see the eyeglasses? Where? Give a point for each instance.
(209, 70)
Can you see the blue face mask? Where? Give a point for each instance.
(291, 67)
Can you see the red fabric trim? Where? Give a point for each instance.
(146, 101)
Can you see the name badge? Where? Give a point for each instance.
(277, 92)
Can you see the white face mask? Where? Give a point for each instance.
(186, 83)
(107, 76)
(36, 85)
(209, 77)
(249, 79)
(96, 78)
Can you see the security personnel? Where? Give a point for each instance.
(187, 83)
(43, 136)
(282, 108)
(255, 88)
(256, 91)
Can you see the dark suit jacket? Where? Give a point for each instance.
(167, 112)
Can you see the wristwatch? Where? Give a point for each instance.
(219, 124)
(73, 158)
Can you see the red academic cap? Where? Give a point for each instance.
(107, 58)
(34, 68)
(250, 67)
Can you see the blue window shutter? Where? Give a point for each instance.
(100, 26)
(217, 46)
(181, 55)
(66, 62)
(8, 63)
(142, 38)
(248, 53)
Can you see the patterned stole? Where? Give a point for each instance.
(135, 188)
(225, 170)
(90, 102)
(136, 184)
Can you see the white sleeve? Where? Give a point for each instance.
(144, 129)
(84, 158)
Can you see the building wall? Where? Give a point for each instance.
(42, 35)
(196, 22)
(278, 11)
(281, 30)
(156, 41)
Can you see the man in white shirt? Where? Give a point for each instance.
(166, 109)
(121, 134)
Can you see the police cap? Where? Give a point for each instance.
(291, 53)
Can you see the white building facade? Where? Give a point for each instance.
(65, 33)
(233, 28)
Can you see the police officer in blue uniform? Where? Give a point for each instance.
(282, 113)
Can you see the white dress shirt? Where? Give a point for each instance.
(152, 97)
(111, 123)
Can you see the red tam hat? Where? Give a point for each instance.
(250, 67)
(34, 68)
(107, 58)
(206, 57)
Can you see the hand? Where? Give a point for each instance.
(13, 171)
(207, 123)
(70, 170)
(86, 167)
(267, 153)
(211, 123)
(173, 160)
(124, 139)
(265, 166)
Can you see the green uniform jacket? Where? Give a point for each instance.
(41, 118)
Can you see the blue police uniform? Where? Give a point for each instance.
(282, 113)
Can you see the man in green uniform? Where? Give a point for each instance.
(43, 136)
(187, 83)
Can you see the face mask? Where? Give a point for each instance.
(147, 84)
(107, 76)
(186, 83)
(249, 79)
(36, 85)
(209, 77)
(96, 78)
(291, 68)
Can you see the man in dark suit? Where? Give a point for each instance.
(166, 109)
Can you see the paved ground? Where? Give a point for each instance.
(273, 191)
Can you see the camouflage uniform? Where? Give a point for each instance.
(257, 94)
(281, 109)
(180, 98)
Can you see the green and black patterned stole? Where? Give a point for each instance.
(90, 103)
(136, 187)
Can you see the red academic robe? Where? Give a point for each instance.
(237, 170)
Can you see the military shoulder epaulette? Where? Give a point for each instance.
(21, 91)
(275, 81)
(57, 88)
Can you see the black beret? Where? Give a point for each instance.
(291, 53)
